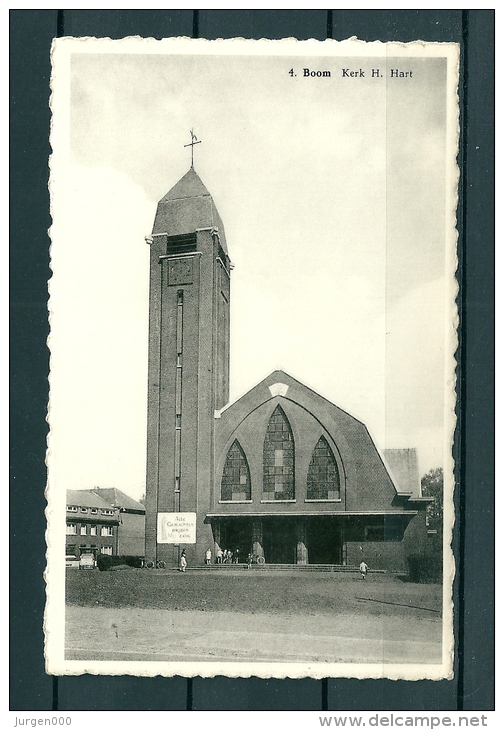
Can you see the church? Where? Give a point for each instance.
(281, 473)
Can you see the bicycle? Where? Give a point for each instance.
(150, 564)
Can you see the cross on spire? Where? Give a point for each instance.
(194, 140)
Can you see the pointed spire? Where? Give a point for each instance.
(186, 207)
(189, 186)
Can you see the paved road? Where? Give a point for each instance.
(133, 634)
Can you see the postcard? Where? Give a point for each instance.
(253, 329)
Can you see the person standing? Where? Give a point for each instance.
(219, 556)
(208, 557)
(183, 562)
(363, 570)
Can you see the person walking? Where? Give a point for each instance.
(183, 562)
(363, 568)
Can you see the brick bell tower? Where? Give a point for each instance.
(188, 375)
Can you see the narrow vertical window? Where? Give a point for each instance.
(235, 483)
(323, 476)
(278, 458)
(178, 391)
(178, 458)
(180, 312)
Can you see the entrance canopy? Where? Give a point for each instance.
(308, 538)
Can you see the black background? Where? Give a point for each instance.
(472, 688)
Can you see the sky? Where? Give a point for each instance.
(333, 195)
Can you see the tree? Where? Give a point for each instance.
(429, 566)
(432, 486)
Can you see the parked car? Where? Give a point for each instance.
(87, 561)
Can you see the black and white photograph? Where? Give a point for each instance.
(253, 329)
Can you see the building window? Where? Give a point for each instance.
(70, 549)
(106, 549)
(323, 477)
(72, 509)
(83, 530)
(235, 483)
(94, 511)
(107, 531)
(278, 458)
(107, 511)
(83, 509)
(71, 529)
(93, 530)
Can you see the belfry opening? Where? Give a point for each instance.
(280, 476)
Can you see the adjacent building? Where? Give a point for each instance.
(104, 521)
(131, 528)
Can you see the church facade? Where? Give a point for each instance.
(281, 473)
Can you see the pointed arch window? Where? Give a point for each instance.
(235, 483)
(278, 458)
(323, 475)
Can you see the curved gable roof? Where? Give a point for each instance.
(369, 484)
(280, 383)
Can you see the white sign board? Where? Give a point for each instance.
(176, 527)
